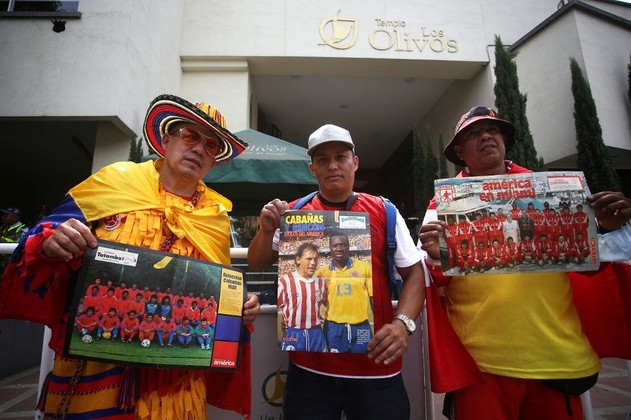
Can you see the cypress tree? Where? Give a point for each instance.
(135, 150)
(431, 167)
(629, 78)
(418, 173)
(511, 105)
(593, 158)
(442, 160)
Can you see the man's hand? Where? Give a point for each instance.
(260, 252)
(269, 219)
(389, 343)
(251, 309)
(69, 240)
(428, 236)
(612, 209)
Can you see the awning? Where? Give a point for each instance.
(266, 160)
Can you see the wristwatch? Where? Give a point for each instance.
(410, 325)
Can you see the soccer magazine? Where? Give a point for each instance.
(530, 222)
(324, 282)
(137, 306)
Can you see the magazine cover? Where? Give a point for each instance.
(538, 221)
(143, 307)
(324, 282)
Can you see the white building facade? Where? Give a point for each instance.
(73, 100)
(78, 97)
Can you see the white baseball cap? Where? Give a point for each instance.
(328, 133)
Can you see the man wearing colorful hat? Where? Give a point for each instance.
(161, 205)
(362, 385)
(511, 345)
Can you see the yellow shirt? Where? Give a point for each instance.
(539, 338)
(349, 291)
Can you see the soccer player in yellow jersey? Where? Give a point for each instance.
(349, 284)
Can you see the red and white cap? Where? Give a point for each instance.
(474, 115)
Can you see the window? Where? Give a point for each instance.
(36, 8)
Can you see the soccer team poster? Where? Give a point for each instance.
(324, 282)
(142, 307)
(529, 222)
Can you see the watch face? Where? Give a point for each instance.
(410, 325)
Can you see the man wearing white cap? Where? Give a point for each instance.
(362, 385)
(162, 205)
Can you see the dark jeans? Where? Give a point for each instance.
(309, 395)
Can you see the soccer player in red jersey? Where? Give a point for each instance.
(129, 327)
(147, 328)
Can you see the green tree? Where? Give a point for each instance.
(511, 105)
(431, 167)
(135, 150)
(593, 158)
(442, 160)
(418, 160)
(629, 78)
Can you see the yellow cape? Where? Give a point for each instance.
(126, 186)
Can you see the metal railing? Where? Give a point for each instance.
(255, 280)
(8, 248)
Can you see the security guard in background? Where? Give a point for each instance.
(11, 231)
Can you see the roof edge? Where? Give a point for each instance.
(575, 4)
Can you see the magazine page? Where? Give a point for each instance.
(531, 222)
(142, 307)
(324, 282)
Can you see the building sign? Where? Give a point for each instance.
(339, 33)
(342, 33)
(273, 387)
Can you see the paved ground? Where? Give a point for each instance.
(611, 397)
(18, 395)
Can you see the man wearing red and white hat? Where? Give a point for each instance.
(162, 205)
(518, 351)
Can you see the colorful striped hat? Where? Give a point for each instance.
(168, 109)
